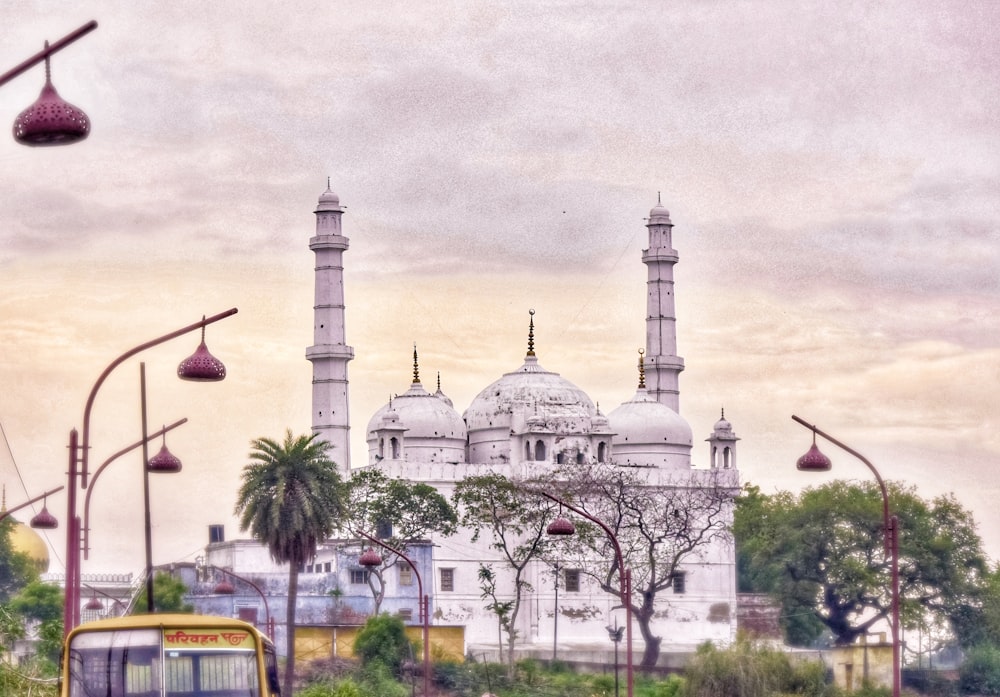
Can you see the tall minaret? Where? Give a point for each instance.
(663, 365)
(330, 353)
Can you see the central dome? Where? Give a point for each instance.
(530, 397)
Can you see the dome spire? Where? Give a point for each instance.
(416, 367)
(642, 370)
(531, 333)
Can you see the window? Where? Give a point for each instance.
(678, 581)
(571, 580)
(602, 451)
(383, 529)
(327, 566)
(405, 576)
(447, 580)
(539, 451)
(359, 576)
(405, 614)
(394, 447)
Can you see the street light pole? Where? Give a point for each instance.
(422, 602)
(561, 526)
(7, 511)
(815, 461)
(79, 452)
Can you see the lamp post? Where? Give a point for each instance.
(226, 588)
(371, 558)
(562, 526)
(615, 634)
(815, 461)
(200, 366)
(43, 520)
(50, 120)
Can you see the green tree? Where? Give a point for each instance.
(822, 554)
(16, 568)
(516, 519)
(290, 500)
(399, 512)
(168, 595)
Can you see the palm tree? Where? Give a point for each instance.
(290, 500)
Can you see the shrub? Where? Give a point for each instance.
(980, 672)
(750, 670)
(383, 640)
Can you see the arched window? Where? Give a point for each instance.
(560, 458)
(381, 447)
(579, 458)
(527, 450)
(602, 451)
(394, 445)
(540, 451)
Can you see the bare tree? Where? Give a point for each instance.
(661, 521)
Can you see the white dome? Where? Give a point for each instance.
(328, 201)
(530, 399)
(649, 434)
(530, 393)
(659, 214)
(432, 429)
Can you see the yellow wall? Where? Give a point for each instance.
(313, 642)
(853, 664)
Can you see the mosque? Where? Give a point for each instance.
(527, 419)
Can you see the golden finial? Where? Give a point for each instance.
(531, 333)
(642, 370)
(416, 370)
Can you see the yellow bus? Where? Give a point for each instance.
(168, 655)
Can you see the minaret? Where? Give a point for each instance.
(663, 365)
(330, 353)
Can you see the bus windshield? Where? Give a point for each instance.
(146, 662)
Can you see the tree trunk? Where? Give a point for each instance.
(293, 592)
(651, 654)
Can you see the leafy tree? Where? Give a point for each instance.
(16, 568)
(516, 519)
(39, 601)
(822, 554)
(407, 511)
(660, 524)
(168, 595)
(383, 640)
(290, 500)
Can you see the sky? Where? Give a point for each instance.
(832, 171)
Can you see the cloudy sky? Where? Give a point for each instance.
(831, 169)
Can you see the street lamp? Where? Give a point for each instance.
(79, 457)
(562, 526)
(615, 634)
(50, 120)
(43, 520)
(815, 461)
(371, 558)
(224, 587)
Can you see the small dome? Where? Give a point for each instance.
(432, 429)
(723, 426)
(649, 434)
(328, 201)
(659, 214)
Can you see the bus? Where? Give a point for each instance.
(168, 655)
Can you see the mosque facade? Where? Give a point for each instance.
(528, 420)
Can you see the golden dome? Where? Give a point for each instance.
(24, 539)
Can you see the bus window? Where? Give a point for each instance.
(115, 664)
